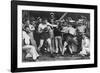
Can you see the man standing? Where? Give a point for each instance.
(43, 29)
(31, 29)
(81, 29)
(58, 38)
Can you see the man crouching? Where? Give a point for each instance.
(28, 46)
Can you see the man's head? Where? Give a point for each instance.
(45, 21)
(39, 19)
(27, 29)
(27, 22)
(52, 15)
(32, 20)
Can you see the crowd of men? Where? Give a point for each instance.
(54, 37)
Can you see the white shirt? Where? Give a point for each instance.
(86, 42)
(85, 46)
(81, 28)
(65, 29)
(26, 38)
(72, 30)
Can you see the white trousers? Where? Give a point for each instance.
(84, 51)
(31, 50)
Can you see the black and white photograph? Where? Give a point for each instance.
(53, 37)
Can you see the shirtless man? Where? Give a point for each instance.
(43, 29)
(58, 38)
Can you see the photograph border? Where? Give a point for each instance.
(14, 6)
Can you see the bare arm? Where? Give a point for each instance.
(39, 29)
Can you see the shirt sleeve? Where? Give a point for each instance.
(31, 27)
(39, 27)
(26, 37)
